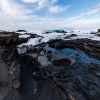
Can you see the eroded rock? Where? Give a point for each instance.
(63, 62)
(98, 31)
(89, 46)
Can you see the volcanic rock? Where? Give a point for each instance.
(98, 31)
(11, 38)
(72, 35)
(21, 31)
(91, 47)
(63, 62)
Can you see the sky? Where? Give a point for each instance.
(49, 14)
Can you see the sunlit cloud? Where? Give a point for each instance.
(27, 14)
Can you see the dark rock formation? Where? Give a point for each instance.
(89, 46)
(57, 31)
(69, 36)
(8, 37)
(11, 71)
(98, 35)
(11, 38)
(63, 62)
(34, 36)
(21, 31)
(62, 78)
(9, 66)
(21, 40)
(73, 35)
(70, 79)
(98, 31)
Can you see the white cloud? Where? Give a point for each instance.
(41, 3)
(82, 23)
(6, 7)
(97, 7)
(85, 24)
(57, 9)
(54, 1)
(18, 16)
(93, 10)
(30, 1)
(36, 1)
(10, 10)
(38, 23)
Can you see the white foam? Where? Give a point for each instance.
(46, 37)
(24, 36)
(21, 32)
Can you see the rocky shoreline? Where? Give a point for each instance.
(91, 47)
(41, 72)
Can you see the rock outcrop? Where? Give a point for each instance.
(7, 38)
(9, 66)
(91, 47)
(98, 31)
(38, 73)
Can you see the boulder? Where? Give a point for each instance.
(63, 62)
(72, 35)
(8, 37)
(21, 31)
(98, 31)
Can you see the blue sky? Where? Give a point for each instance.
(49, 14)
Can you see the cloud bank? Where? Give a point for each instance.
(40, 14)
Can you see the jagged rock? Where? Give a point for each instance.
(98, 31)
(63, 62)
(33, 35)
(89, 46)
(9, 71)
(69, 36)
(21, 31)
(11, 38)
(98, 35)
(72, 35)
(32, 49)
(8, 37)
(21, 40)
(78, 81)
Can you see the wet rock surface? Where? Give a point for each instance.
(98, 31)
(71, 73)
(91, 47)
(9, 73)
(21, 31)
(57, 70)
(70, 36)
(34, 35)
(9, 66)
(7, 38)
(63, 62)
(98, 35)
